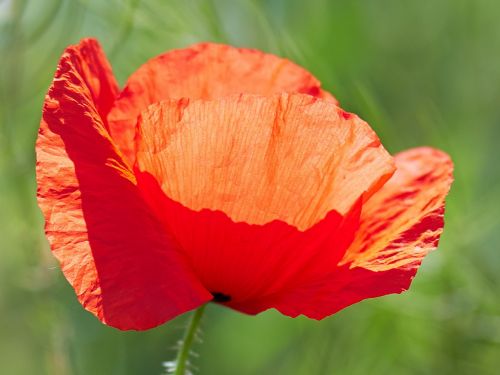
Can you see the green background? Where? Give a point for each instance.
(421, 72)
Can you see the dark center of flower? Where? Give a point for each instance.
(220, 297)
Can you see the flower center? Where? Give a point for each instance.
(220, 297)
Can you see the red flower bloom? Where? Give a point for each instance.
(227, 174)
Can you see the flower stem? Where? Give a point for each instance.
(185, 345)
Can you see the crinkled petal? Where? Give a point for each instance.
(123, 266)
(206, 71)
(288, 157)
(404, 220)
(400, 224)
(261, 193)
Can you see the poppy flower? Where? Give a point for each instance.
(228, 175)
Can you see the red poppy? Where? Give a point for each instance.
(225, 174)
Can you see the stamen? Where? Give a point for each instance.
(220, 297)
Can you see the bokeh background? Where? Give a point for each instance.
(421, 72)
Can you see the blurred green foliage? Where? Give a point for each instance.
(420, 72)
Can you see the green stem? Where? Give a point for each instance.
(187, 341)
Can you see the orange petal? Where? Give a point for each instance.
(89, 61)
(269, 188)
(288, 157)
(400, 224)
(404, 220)
(122, 265)
(205, 71)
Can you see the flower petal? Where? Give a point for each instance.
(288, 157)
(404, 220)
(204, 71)
(400, 224)
(243, 261)
(114, 253)
(260, 192)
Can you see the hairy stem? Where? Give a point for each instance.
(186, 343)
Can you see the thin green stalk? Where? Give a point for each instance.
(185, 345)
